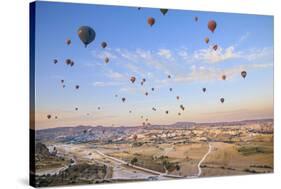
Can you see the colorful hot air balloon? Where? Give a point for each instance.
(86, 34)
(164, 11)
(223, 77)
(150, 21)
(204, 89)
(244, 74)
(222, 100)
(106, 60)
(212, 25)
(68, 41)
(207, 40)
(215, 47)
(103, 44)
(133, 79)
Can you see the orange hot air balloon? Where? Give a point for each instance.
(215, 47)
(212, 25)
(223, 77)
(133, 79)
(150, 21)
(207, 40)
(222, 100)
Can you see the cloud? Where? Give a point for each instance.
(115, 75)
(106, 84)
(166, 53)
(211, 56)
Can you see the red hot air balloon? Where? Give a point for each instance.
(150, 21)
(212, 25)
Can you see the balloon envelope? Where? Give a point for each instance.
(86, 34)
(150, 21)
(244, 74)
(164, 11)
(212, 25)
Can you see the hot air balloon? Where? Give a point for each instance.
(143, 80)
(76, 109)
(133, 79)
(106, 60)
(68, 61)
(204, 89)
(63, 86)
(139, 8)
(223, 77)
(207, 40)
(196, 18)
(166, 111)
(244, 74)
(142, 83)
(150, 21)
(103, 45)
(182, 107)
(49, 116)
(222, 100)
(154, 109)
(178, 97)
(152, 89)
(123, 99)
(72, 63)
(77, 87)
(146, 119)
(215, 47)
(169, 76)
(68, 41)
(143, 123)
(146, 93)
(130, 111)
(179, 113)
(55, 61)
(62, 81)
(116, 96)
(171, 89)
(98, 107)
(86, 35)
(212, 25)
(135, 137)
(164, 11)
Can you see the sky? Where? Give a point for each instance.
(174, 46)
